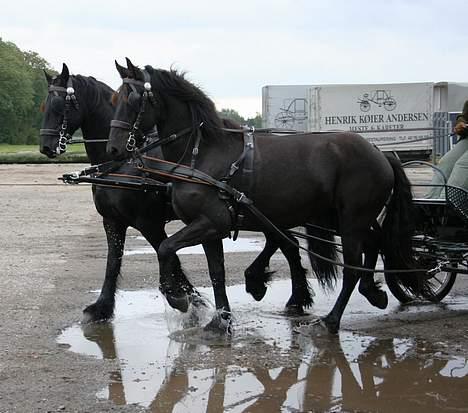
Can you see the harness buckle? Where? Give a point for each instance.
(234, 168)
(131, 143)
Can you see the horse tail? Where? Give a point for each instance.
(320, 241)
(398, 231)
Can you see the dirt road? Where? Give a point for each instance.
(53, 254)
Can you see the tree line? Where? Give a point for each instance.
(23, 87)
(235, 116)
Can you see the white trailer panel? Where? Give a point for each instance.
(383, 114)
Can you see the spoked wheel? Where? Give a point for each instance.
(284, 120)
(441, 284)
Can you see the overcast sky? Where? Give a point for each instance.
(233, 48)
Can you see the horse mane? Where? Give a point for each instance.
(201, 106)
(97, 91)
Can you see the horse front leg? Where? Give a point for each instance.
(352, 255)
(103, 308)
(199, 231)
(155, 235)
(221, 322)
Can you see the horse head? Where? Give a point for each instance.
(62, 114)
(136, 111)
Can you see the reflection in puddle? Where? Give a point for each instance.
(272, 363)
(240, 245)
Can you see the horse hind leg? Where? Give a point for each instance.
(301, 296)
(367, 285)
(257, 275)
(103, 308)
(352, 255)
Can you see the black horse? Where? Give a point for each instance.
(337, 180)
(91, 110)
(89, 107)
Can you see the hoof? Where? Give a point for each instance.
(294, 310)
(330, 324)
(197, 301)
(96, 312)
(221, 324)
(257, 291)
(376, 297)
(180, 303)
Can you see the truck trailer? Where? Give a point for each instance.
(414, 119)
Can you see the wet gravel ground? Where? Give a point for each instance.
(53, 254)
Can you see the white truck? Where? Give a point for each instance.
(403, 117)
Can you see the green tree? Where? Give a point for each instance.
(22, 87)
(36, 66)
(256, 122)
(235, 116)
(231, 114)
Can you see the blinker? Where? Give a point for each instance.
(134, 99)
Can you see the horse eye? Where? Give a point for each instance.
(57, 104)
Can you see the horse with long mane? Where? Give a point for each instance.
(89, 107)
(337, 180)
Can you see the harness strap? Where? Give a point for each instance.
(163, 141)
(183, 172)
(120, 124)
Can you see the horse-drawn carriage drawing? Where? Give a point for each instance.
(293, 111)
(379, 97)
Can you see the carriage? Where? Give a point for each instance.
(441, 238)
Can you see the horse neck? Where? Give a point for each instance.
(96, 124)
(215, 154)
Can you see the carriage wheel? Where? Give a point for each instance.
(389, 104)
(442, 282)
(365, 106)
(284, 120)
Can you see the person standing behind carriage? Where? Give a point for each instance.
(454, 164)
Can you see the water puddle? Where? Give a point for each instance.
(272, 363)
(240, 245)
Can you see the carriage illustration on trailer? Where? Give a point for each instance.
(293, 111)
(380, 97)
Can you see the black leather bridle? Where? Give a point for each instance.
(70, 100)
(136, 137)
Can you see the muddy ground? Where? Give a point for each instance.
(53, 253)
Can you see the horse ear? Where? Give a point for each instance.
(65, 72)
(133, 70)
(123, 71)
(48, 77)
